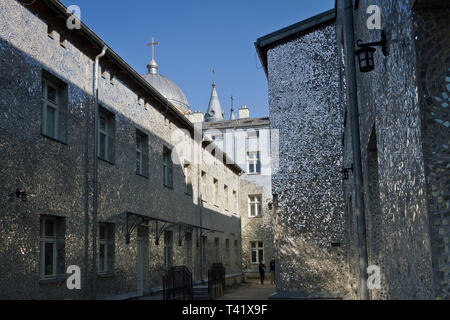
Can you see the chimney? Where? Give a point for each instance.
(196, 117)
(244, 113)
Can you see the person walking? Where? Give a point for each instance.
(272, 271)
(262, 271)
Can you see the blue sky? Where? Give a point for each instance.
(196, 36)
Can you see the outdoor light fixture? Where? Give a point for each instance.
(345, 172)
(21, 194)
(365, 54)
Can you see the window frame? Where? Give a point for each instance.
(45, 103)
(106, 242)
(254, 158)
(257, 201)
(257, 248)
(187, 171)
(167, 168)
(54, 239)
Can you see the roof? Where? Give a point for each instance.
(240, 123)
(263, 44)
(168, 89)
(214, 112)
(59, 14)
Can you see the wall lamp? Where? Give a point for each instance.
(21, 194)
(345, 172)
(365, 54)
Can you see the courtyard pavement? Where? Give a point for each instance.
(251, 290)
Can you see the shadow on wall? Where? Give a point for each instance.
(53, 174)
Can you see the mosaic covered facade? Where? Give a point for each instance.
(309, 220)
(57, 174)
(404, 132)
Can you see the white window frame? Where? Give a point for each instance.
(104, 132)
(44, 240)
(225, 197)
(216, 191)
(167, 167)
(257, 248)
(254, 199)
(54, 105)
(254, 157)
(105, 242)
(139, 153)
(204, 178)
(187, 170)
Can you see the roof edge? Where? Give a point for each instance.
(263, 43)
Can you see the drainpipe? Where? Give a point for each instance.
(95, 196)
(354, 114)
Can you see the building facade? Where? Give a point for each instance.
(404, 136)
(247, 141)
(152, 170)
(302, 68)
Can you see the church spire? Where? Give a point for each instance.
(214, 112)
(152, 65)
(232, 115)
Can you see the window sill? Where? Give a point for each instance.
(106, 275)
(107, 161)
(168, 187)
(57, 280)
(54, 139)
(142, 176)
(188, 194)
(254, 174)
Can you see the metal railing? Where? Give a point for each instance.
(177, 284)
(216, 280)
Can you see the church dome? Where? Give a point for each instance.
(166, 87)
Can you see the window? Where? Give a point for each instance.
(106, 135)
(254, 206)
(54, 110)
(257, 251)
(106, 248)
(141, 154)
(235, 202)
(253, 163)
(225, 197)
(204, 182)
(53, 254)
(167, 167)
(188, 179)
(216, 192)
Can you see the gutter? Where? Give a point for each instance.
(95, 196)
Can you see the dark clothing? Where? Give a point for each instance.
(262, 272)
(272, 265)
(262, 267)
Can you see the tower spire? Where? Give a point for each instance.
(152, 65)
(214, 112)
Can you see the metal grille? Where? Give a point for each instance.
(177, 284)
(216, 280)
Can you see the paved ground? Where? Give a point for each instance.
(252, 290)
